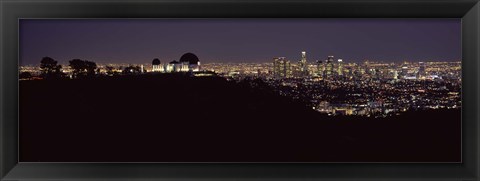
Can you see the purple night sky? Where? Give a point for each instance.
(239, 40)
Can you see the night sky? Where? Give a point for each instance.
(239, 40)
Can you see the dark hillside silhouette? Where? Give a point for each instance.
(177, 118)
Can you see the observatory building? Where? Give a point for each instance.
(188, 63)
(156, 65)
(192, 61)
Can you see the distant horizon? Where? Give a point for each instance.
(139, 41)
(308, 62)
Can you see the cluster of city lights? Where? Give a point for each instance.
(338, 87)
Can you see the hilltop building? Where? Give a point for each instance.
(156, 65)
(189, 62)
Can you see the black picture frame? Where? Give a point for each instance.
(12, 10)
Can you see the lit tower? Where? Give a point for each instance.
(303, 64)
(277, 67)
(320, 68)
(328, 67)
(421, 70)
(340, 67)
(281, 67)
(404, 71)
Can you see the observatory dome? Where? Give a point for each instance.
(156, 61)
(190, 58)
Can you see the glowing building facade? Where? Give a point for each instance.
(157, 66)
(189, 62)
(281, 68)
(303, 64)
(421, 70)
(340, 67)
(328, 72)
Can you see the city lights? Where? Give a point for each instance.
(371, 88)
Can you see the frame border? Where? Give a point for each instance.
(12, 10)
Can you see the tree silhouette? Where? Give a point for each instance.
(91, 67)
(50, 68)
(82, 68)
(78, 67)
(25, 75)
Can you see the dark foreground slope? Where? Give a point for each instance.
(177, 118)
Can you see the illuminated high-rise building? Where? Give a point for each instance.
(281, 67)
(395, 74)
(320, 68)
(404, 71)
(303, 64)
(340, 67)
(328, 72)
(421, 70)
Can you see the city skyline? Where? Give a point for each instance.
(240, 40)
(288, 88)
(330, 87)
